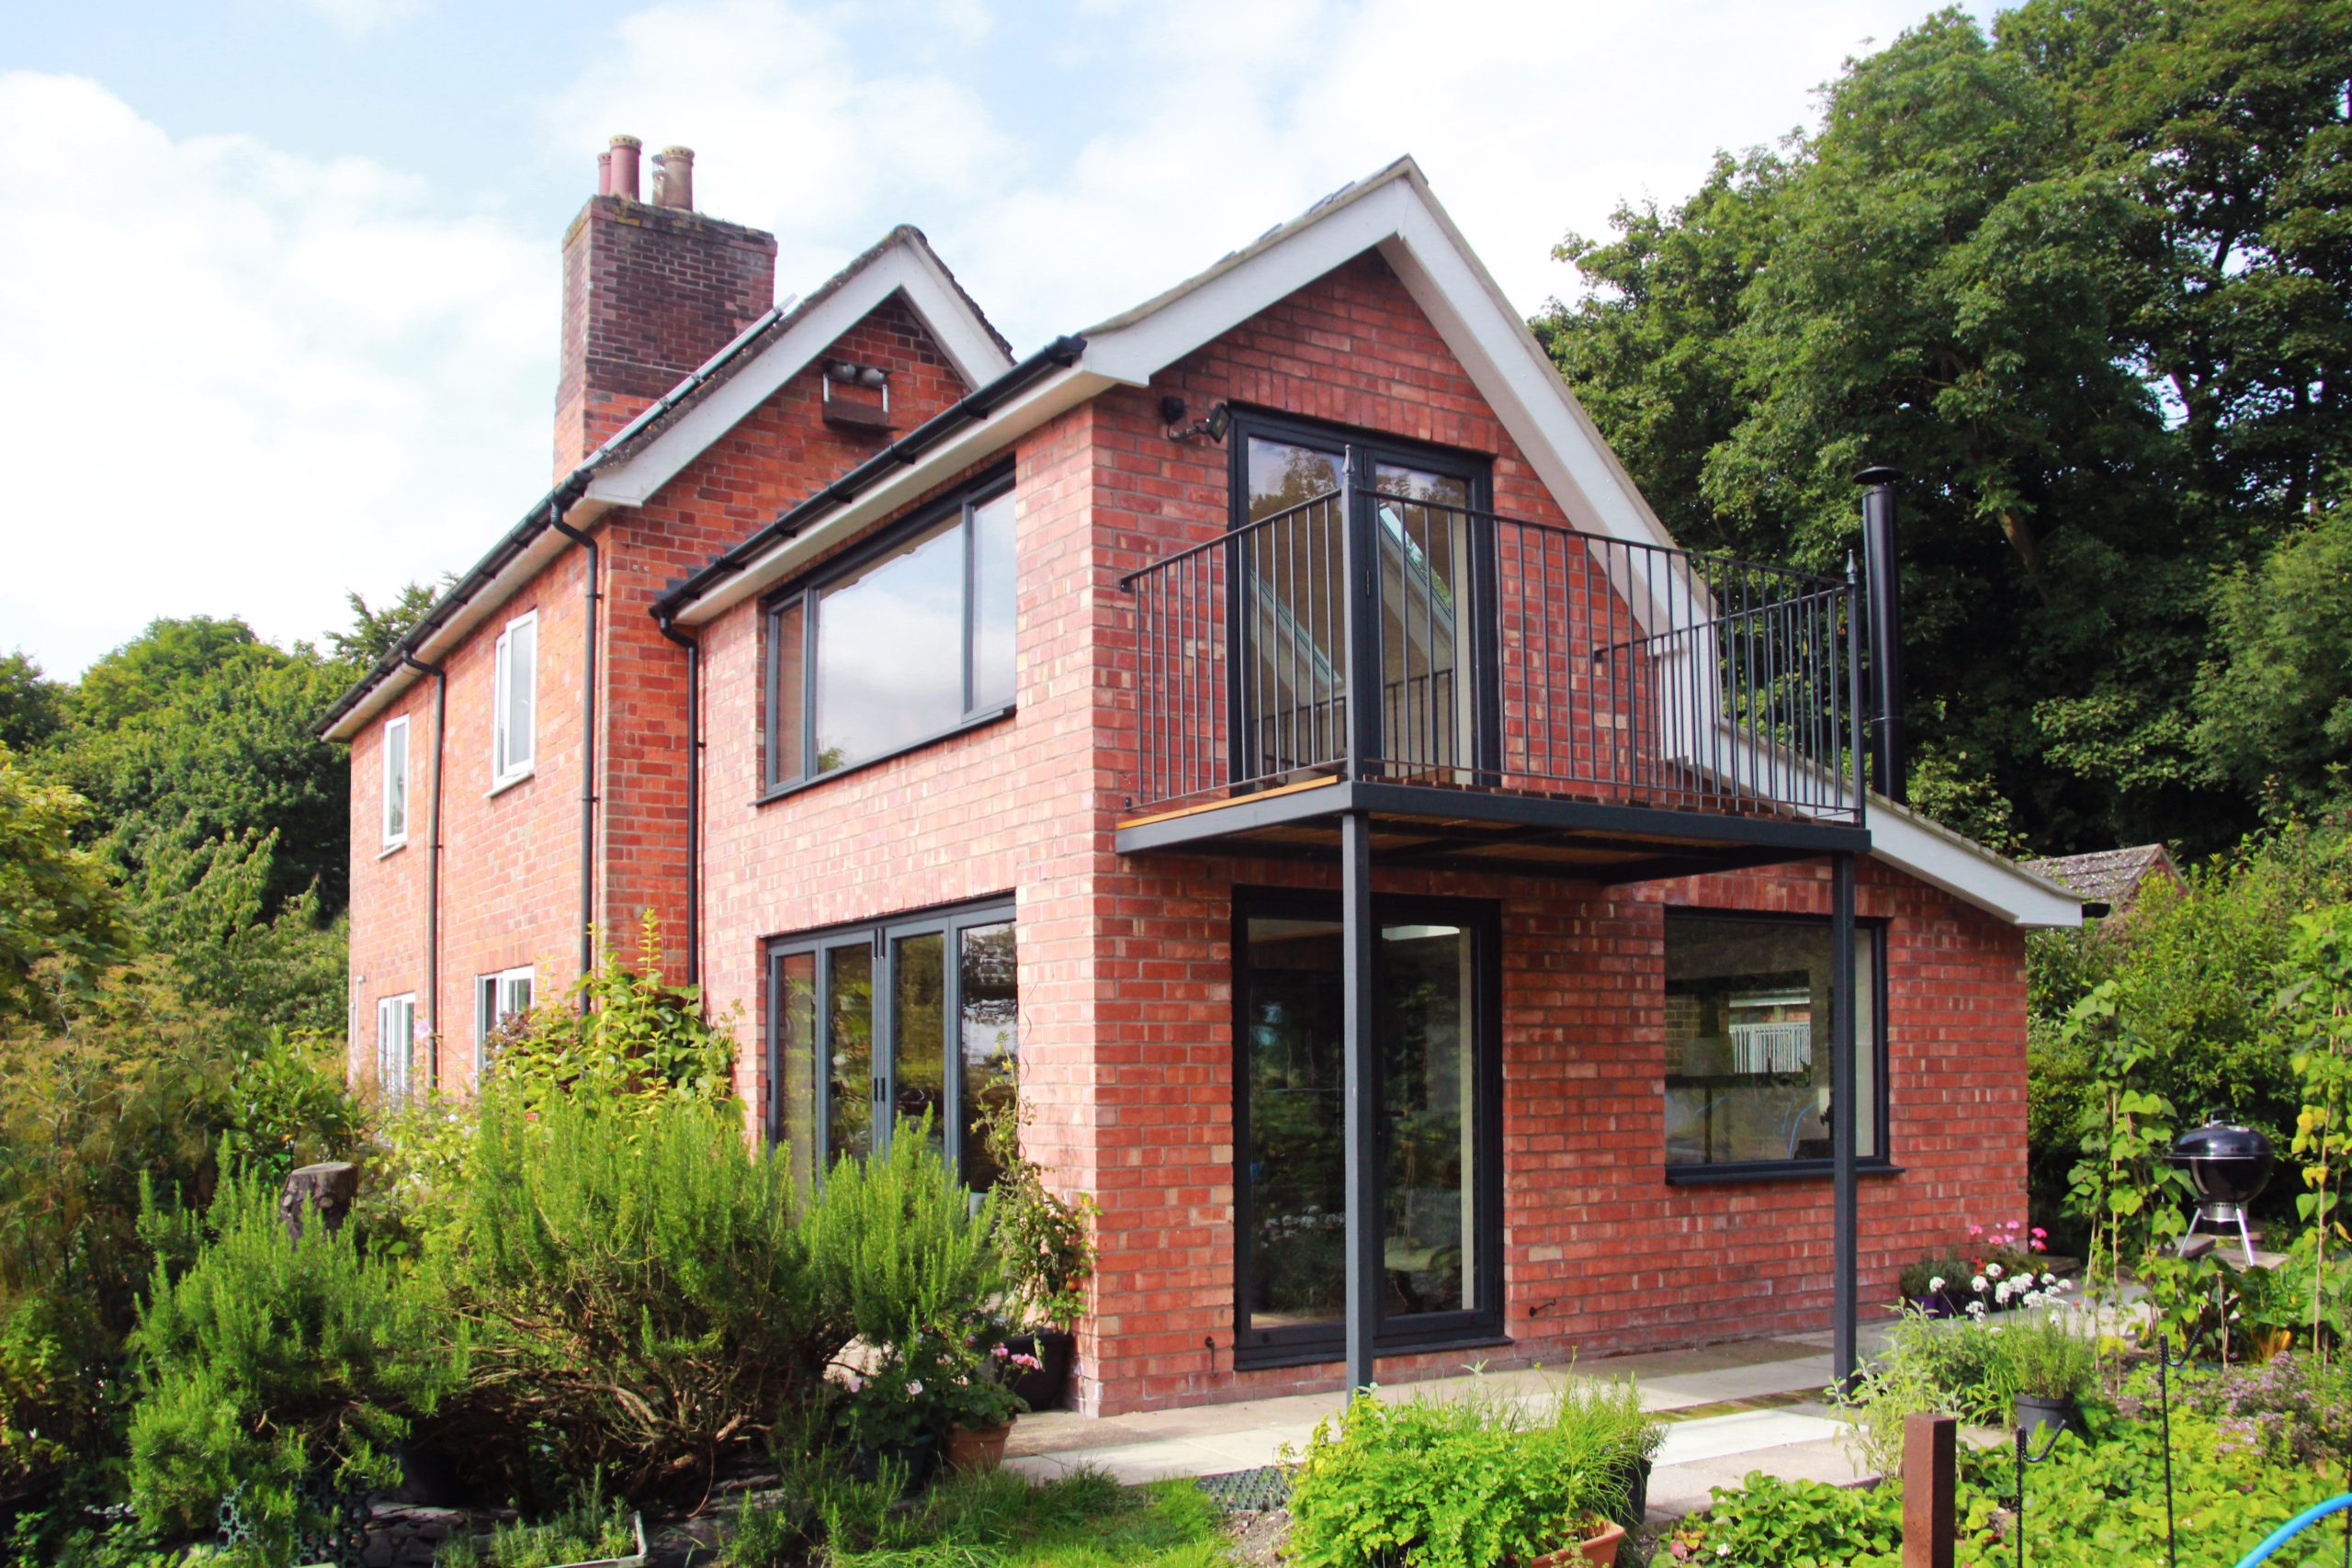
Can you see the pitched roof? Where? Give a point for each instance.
(2106, 876)
(706, 403)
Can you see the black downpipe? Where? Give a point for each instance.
(693, 795)
(1887, 629)
(433, 863)
(587, 752)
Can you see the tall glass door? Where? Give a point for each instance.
(1438, 1181)
(1290, 666)
(889, 1025)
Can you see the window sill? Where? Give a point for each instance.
(388, 850)
(1268, 1357)
(963, 727)
(1786, 1171)
(503, 785)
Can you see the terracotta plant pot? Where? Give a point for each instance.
(1601, 1548)
(976, 1453)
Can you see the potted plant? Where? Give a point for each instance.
(894, 1414)
(2050, 1367)
(1596, 1540)
(1048, 1255)
(1604, 1417)
(982, 1404)
(1925, 1285)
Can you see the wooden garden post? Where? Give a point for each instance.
(1930, 1490)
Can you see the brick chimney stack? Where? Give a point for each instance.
(650, 290)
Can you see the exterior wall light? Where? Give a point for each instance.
(1172, 410)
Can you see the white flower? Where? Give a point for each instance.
(1994, 1269)
(1722, 1548)
(915, 1389)
(2001, 1293)
(1936, 1285)
(1979, 1286)
(2049, 1280)
(1977, 1309)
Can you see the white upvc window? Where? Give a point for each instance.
(396, 784)
(513, 719)
(395, 1043)
(497, 997)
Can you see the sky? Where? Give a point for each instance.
(278, 278)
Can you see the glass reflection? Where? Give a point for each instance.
(987, 1000)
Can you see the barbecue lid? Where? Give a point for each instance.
(2219, 1140)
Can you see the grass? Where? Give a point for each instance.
(1002, 1521)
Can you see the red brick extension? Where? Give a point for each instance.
(1125, 964)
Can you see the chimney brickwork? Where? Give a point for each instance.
(649, 293)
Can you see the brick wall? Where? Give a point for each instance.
(649, 293)
(1125, 964)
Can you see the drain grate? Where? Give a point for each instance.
(1258, 1490)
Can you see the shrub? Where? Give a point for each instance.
(1607, 1414)
(2047, 1357)
(1461, 1484)
(588, 1529)
(2302, 1405)
(637, 1043)
(643, 1289)
(265, 1361)
(1769, 1523)
(896, 1248)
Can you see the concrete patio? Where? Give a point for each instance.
(1733, 1408)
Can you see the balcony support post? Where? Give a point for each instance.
(1359, 939)
(1360, 564)
(1844, 1109)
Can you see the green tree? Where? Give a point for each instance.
(61, 922)
(373, 632)
(2274, 704)
(32, 706)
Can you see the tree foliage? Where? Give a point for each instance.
(2086, 282)
(61, 922)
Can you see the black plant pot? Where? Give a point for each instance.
(1045, 1387)
(435, 1470)
(1637, 1495)
(2043, 1419)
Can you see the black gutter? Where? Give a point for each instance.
(518, 538)
(694, 793)
(433, 863)
(973, 407)
(587, 750)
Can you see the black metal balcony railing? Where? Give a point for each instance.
(1504, 653)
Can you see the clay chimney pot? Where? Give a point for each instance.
(622, 183)
(673, 177)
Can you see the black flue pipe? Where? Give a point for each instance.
(1887, 759)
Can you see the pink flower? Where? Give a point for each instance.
(855, 1382)
(1001, 1352)
(1031, 1362)
(915, 1389)
(1974, 1232)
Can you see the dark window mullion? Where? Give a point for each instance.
(971, 600)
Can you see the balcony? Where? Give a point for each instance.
(1492, 692)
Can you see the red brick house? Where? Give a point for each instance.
(1411, 889)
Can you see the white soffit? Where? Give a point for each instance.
(902, 269)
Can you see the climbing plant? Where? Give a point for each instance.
(2316, 1015)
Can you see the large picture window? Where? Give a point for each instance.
(907, 1018)
(1747, 1044)
(1439, 1088)
(901, 643)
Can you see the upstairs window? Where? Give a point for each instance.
(901, 643)
(513, 745)
(396, 784)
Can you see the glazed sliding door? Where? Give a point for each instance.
(881, 1028)
(1439, 1165)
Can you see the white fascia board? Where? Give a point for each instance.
(1968, 871)
(483, 606)
(974, 444)
(900, 270)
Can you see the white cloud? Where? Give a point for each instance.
(242, 383)
(792, 132)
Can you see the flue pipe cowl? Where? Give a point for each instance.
(673, 177)
(623, 180)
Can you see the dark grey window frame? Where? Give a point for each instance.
(806, 593)
(1291, 1347)
(1361, 451)
(1878, 1164)
(950, 920)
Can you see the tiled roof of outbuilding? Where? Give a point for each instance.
(2106, 876)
